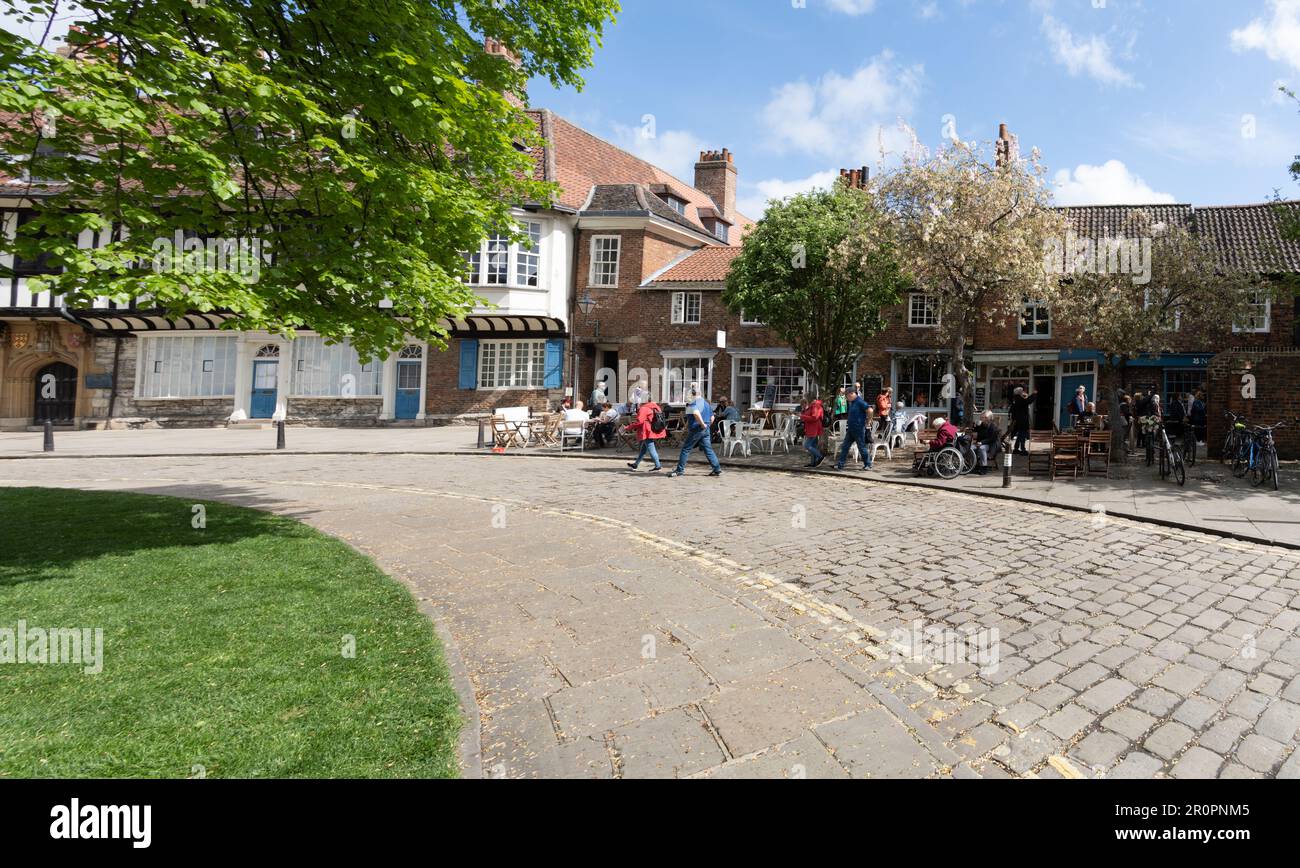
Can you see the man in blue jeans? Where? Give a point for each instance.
(698, 416)
(856, 431)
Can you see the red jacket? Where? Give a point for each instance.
(944, 437)
(812, 420)
(641, 427)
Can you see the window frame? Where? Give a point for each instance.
(931, 309)
(490, 356)
(1036, 307)
(682, 317)
(155, 370)
(1266, 304)
(516, 253)
(593, 260)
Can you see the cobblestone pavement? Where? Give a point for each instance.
(770, 624)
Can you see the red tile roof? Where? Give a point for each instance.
(706, 265)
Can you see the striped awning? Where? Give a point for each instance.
(127, 321)
(506, 325)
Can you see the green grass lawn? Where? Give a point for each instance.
(223, 647)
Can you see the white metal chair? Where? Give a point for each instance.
(774, 437)
(912, 429)
(573, 430)
(733, 438)
(881, 443)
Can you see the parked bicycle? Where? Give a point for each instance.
(1171, 459)
(1258, 456)
(1236, 436)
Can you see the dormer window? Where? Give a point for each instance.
(720, 230)
(676, 204)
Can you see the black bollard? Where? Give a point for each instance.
(1006, 470)
(279, 434)
(49, 436)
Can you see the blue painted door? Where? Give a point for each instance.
(265, 378)
(407, 405)
(1069, 384)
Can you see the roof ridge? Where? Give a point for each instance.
(631, 155)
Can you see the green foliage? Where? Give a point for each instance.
(363, 145)
(819, 269)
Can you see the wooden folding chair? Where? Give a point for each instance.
(1098, 453)
(1065, 455)
(505, 434)
(1040, 452)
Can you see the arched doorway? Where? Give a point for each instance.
(56, 394)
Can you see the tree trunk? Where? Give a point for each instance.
(964, 381)
(1114, 381)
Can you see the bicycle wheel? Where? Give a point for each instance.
(948, 463)
(1272, 463)
(1180, 469)
(1241, 461)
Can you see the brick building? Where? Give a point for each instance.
(621, 282)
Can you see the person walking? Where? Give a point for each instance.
(1198, 417)
(698, 416)
(856, 433)
(813, 423)
(1020, 418)
(648, 416)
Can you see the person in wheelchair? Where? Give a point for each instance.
(945, 434)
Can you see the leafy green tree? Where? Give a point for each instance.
(360, 144)
(819, 269)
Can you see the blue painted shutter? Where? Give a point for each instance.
(554, 364)
(468, 365)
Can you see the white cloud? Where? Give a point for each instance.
(753, 204)
(1090, 57)
(842, 117)
(1108, 184)
(1279, 37)
(852, 7)
(674, 151)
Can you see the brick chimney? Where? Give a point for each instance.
(496, 49)
(1008, 146)
(715, 175)
(855, 178)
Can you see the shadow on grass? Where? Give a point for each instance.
(45, 531)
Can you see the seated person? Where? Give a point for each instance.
(576, 414)
(724, 412)
(1089, 414)
(606, 423)
(988, 441)
(945, 434)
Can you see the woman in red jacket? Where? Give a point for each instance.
(644, 429)
(812, 429)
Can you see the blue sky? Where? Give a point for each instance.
(1128, 100)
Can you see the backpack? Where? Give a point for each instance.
(658, 424)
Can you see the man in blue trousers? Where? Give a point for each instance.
(698, 416)
(856, 432)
